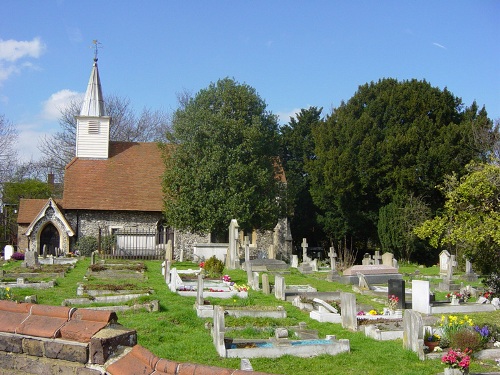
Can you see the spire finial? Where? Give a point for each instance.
(96, 46)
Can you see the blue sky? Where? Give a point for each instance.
(295, 54)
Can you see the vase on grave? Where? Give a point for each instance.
(431, 345)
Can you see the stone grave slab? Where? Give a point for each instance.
(374, 274)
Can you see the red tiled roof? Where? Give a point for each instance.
(29, 208)
(129, 180)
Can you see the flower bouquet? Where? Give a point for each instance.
(456, 359)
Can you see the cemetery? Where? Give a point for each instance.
(278, 303)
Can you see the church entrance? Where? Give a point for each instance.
(49, 238)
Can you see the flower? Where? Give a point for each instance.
(431, 337)
(202, 264)
(457, 359)
(392, 302)
(226, 278)
(496, 344)
(488, 295)
(360, 313)
(438, 349)
(372, 312)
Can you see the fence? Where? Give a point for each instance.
(134, 244)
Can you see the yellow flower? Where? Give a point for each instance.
(7, 289)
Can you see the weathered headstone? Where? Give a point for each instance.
(167, 272)
(255, 281)
(377, 258)
(470, 275)
(31, 259)
(8, 250)
(363, 284)
(93, 256)
(349, 317)
(333, 275)
(265, 284)
(304, 246)
(44, 252)
(396, 287)
(219, 330)
(169, 252)
(199, 291)
(367, 260)
(413, 332)
(271, 252)
(295, 261)
(387, 259)
(279, 287)
(444, 259)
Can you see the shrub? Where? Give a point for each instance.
(86, 245)
(466, 339)
(17, 256)
(213, 267)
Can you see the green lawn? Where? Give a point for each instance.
(176, 333)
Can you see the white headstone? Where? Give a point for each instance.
(420, 292)
(295, 261)
(8, 250)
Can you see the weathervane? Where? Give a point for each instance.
(96, 46)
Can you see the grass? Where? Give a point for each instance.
(176, 333)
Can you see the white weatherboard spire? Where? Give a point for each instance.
(92, 134)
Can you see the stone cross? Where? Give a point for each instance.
(333, 258)
(377, 257)
(451, 264)
(232, 256)
(304, 245)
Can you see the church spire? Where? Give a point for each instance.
(93, 103)
(92, 125)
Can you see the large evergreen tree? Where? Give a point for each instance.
(222, 161)
(297, 147)
(391, 139)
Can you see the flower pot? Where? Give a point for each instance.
(431, 345)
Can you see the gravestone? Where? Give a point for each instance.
(447, 284)
(295, 261)
(333, 275)
(44, 252)
(304, 246)
(219, 330)
(377, 258)
(265, 284)
(167, 272)
(271, 252)
(470, 275)
(396, 287)
(374, 274)
(8, 250)
(233, 257)
(246, 242)
(93, 256)
(367, 260)
(255, 281)
(420, 296)
(413, 333)
(31, 259)
(279, 287)
(363, 284)
(349, 317)
(169, 252)
(199, 291)
(444, 259)
(387, 259)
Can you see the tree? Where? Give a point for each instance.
(58, 149)
(396, 223)
(470, 220)
(297, 147)
(221, 162)
(8, 154)
(391, 139)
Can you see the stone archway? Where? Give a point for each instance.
(49, 236)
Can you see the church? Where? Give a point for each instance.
(115, 189)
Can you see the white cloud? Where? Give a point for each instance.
(439, 45)
(52, 107)
(284, 117)
(13, 50)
